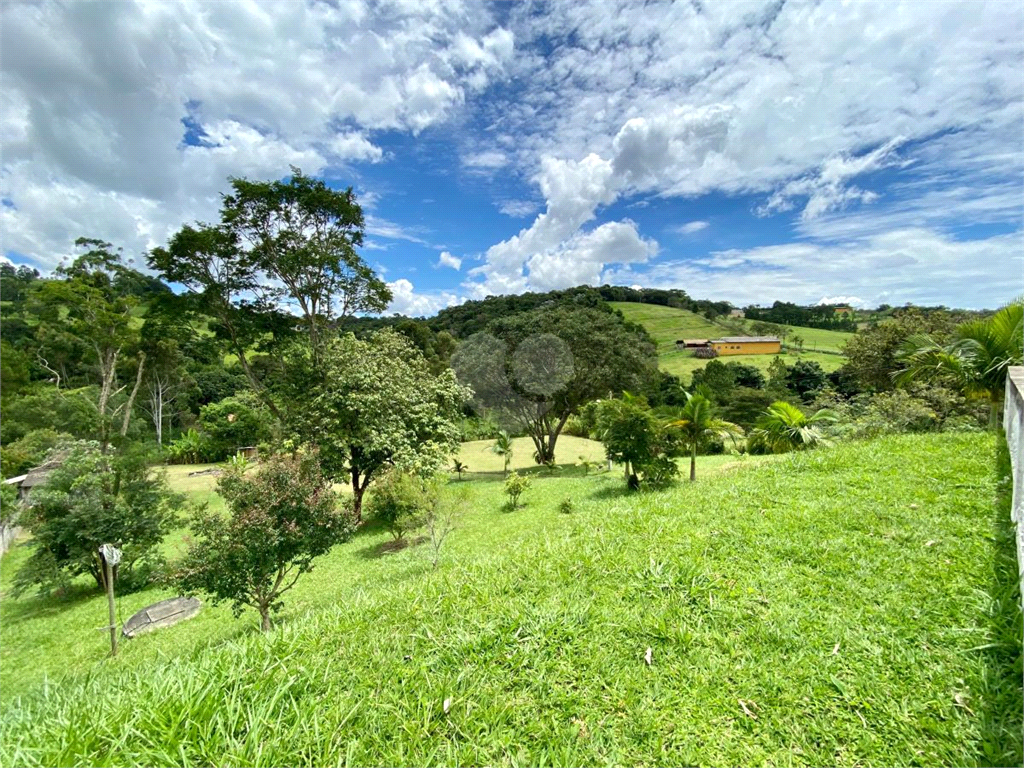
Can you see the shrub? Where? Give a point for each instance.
(440, 519)
(190, 448)
(576, 427)
(660, 472)
(280, 518)
(515, 486)
(399, 501)
(567, 506)
(232, 423)
(20, 456)
(90, 499)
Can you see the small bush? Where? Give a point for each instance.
(567, 506)
(577, 427)
(515, 486)
(400, 501)
(659, 472)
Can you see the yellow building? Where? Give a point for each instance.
(746, 345)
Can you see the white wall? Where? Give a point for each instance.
(1013, 423)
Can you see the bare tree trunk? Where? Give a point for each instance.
(131, 398)
(693, 462)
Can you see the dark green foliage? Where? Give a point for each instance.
(871, 355)
(805, 377)
(278, 243)
(233, 423)
(786, 313)
(720, 378)
(20, 456)
(190, 447)
(90, 499)
(71, 412)
(567, 506)
(471, 317)
(745, 406)
(10, 508)
(539, 368)
(635, 437)
(376, 404)
(282, 516)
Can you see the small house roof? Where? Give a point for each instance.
(37, 475)
(744, 339)
(15, 480)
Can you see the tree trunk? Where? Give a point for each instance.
(131, 398)
(357, 496)
(693, 463)
(264, 618)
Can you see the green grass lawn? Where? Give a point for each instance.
(683, 364)
(666, 325)
(479, 457)
(848, 606)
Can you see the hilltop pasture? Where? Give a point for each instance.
(667, 324)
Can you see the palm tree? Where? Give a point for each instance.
(503, 447)
(784, 427)
(977, 360)
(697, 421)
(459, 468)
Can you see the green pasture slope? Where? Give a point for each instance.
(846, 606)
(666, 325)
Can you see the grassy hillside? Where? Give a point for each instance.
(666, 325)
(782, 626)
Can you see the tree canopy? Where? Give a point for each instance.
(537, 368)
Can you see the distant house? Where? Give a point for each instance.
(737, 313)
(250, 452)
(842, 309)
(746, 345)
(691, 343)
(36, 476)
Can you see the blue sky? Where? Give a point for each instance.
(865, 152)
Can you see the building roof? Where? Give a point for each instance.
(15, 480)
(692, 341)
(38, 475)
(744, 339)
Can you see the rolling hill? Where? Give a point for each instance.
(667, 324)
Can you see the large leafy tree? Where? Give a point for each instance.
(698, 421)
(872, 354)
(377, 405)
(784, 427)
(538, 368)
(86, 314)
(92, 498)
(975, 361)
(282, 516)
(279, 244)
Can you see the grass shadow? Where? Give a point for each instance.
(33, 605)
(1001, 707)
(374, 551)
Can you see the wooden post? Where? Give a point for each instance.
(111, 556)
(109, 571)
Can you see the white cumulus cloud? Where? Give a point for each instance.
(407, 301)
(448, 260)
